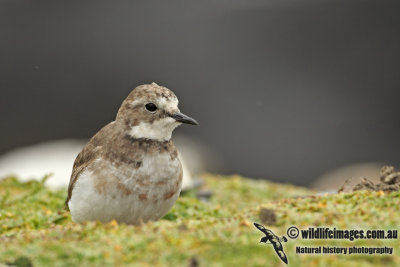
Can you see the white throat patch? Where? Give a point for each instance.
(160, 130)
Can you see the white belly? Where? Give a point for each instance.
(104, 192)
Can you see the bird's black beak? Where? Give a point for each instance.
(180, 117)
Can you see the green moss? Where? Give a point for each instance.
(35, 230)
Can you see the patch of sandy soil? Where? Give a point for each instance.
(389, 182)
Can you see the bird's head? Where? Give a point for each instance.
(264, 239)
(151, 111)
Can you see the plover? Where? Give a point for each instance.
(130, 171)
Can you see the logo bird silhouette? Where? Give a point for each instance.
(274, 240)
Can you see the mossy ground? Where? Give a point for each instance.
(36, 231)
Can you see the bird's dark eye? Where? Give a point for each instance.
(151, 107)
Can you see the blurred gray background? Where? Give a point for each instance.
(283, 90)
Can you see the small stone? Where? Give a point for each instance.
(267, 216)
(182, 227)
(204, 194)
(386, 171)
(193, 262)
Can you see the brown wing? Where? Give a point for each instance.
(85, 157)
(89, 153)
